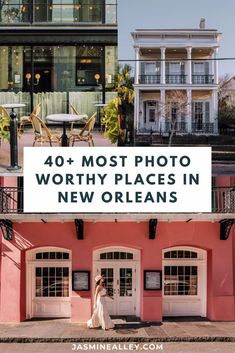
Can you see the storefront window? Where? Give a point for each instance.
(58, 11)
(57, 77)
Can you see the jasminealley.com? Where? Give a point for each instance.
(118, 347)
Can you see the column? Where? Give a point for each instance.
(136, 111)
(189, 65)
(189, 110)
(163, 65)
(215, 61)
(214, 110)
(137, 65)
(163, 108)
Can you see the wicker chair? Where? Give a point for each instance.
(26, 120)
(5, 117)
(84, 134)
(41, 132)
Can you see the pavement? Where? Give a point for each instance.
(26, 140)
(63, 331)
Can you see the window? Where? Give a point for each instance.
(180, 254)
(52, 255)
(52, 281)
(116, 255)
(180, 280)
(199, 68)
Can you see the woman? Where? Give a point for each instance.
(100, 316)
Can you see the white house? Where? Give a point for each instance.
(170, 61)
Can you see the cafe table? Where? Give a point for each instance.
(12, 106)
(65, 118)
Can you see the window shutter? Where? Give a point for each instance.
(142, 68)
(206, 68)
(207, 112)
(182, 68)
(167, 68)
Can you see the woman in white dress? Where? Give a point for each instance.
(100, 316)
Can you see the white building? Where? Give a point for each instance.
(170, 61)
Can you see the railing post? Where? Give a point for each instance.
(13, 142)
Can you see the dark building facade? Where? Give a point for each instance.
(58, 52)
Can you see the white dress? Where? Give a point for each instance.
(100, 316)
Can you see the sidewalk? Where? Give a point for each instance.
(26, 140)
(63, 330)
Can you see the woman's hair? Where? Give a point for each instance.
(98, 283)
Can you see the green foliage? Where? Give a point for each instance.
(4, 129)
(226, 114)
(110, 120)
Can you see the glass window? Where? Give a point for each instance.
(52, 255)
(180, 280)
(116, 256)
(52, 282)
(176, 254)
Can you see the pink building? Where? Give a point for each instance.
(155, 264)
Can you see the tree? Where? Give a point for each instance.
(118, 114)
(226, 93)
(176, 106)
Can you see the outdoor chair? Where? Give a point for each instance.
(81, 121)
(84, 134)
(26, 120)
(41, 132)
(4, 123)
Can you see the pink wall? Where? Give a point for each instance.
(204, 235)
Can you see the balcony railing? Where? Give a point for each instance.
(202, 79)
(223, 200)
(205, 128)
(176, 79)
(149, 79)
(11, 200)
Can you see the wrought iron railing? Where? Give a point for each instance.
(11, 200)
(176, 79)
(149, 79)
(202, 79)
(204, 128)
(223, 199)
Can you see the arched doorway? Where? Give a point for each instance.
(121, 268)
(48, 281)
(184, 281)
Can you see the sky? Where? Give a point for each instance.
(219, 14)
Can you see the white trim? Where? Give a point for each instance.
(201, 261)
(135, 263)
(31, 262)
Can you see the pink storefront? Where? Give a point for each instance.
(189, 257)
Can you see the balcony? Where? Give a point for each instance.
(11, 200)
(176, 79)
(203, 79)
(149, 79)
